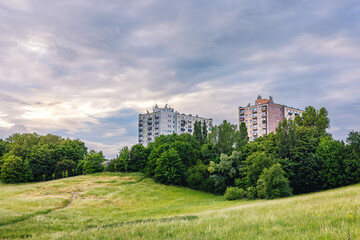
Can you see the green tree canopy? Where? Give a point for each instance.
(15, 170)
(169, 168)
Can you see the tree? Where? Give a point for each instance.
(197, 131)
(204, 133)
(223, 137)
(15, 170)
(352, 158)
(253, 166)
(272, 183)
(286, 138)
(315, 119)
(331, 153)
(198, 177)
(242, 137)
(224, 172)
(137, 158)
(169, 168)
(93, 162)
(208, 153)
(64, 166)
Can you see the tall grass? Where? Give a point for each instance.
(119, 206)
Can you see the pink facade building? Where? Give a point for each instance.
(263, 117)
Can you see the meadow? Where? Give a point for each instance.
(129, 206)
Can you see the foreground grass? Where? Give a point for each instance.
(119, 206)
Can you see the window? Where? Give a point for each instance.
(250, 115)
(246, 115)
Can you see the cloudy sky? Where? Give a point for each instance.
(85, 69)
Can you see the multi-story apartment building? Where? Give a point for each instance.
(165, 121)
(263, 117)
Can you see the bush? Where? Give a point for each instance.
(272, 183)
(233, 193)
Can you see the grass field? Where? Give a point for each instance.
(120, 206)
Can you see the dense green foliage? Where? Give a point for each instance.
(93, 162)
(234, 193)
(300, 157)
(15, 170)
(32, 157)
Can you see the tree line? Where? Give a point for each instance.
(301, 157)
(32, 157)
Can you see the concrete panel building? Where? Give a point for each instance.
(165, 121)
(263, 117)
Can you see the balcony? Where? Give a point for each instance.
(140, 124)
(140, 129)
(149, 118)
(156, 121)
(189, 130)
(254, 110)
(255, 128)
(254, 116)
(156, 133)
(140, 140)
(156, 126)
(140, 135)
(149, 128)
(149, 122)
(242, 119)
(290, 113)
(254, 122)
(149, 133)
(255, 134)
(264, 126)
(264, 109)
(264, 121)
(149, 138)
(182, 129)
(157, 116)
(140, 120)
(242, 112)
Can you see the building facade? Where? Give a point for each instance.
(165, 121)
(263, 117)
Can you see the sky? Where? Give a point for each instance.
(86, 69)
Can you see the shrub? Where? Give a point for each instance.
(233, 193)
(272, 183)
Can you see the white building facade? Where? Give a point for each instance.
(165, 121)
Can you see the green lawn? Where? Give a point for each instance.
(119, 206)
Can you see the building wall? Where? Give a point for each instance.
(165, 121)
(267, 117)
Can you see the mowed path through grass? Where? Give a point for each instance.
(119, 206)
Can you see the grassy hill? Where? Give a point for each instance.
(119, 206)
